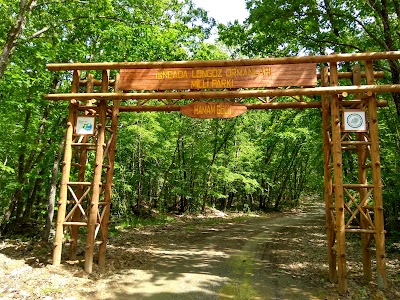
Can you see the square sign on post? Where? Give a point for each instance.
(354, 120)
(85, 125)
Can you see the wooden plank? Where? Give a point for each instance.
(250, 106)
(389, 88)
(377, 182)
(219, 77)
(362, 231)
(84, 144)
(338, 181)
(358, 143)
(349, 75)
(355, 186)
(209, 110)
(86, 183)
(344, 57)
(77, 224)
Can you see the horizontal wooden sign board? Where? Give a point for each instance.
(210, 110)
(219, 77)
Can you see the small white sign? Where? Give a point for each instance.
(85, 125)
(354, 120)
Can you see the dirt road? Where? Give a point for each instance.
(260, 258)
(270, 257)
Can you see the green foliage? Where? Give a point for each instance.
(33, 128)
(282, 28)
(258, 161)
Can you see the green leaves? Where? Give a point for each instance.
(84, 31)
(288, 28)
(6, 169)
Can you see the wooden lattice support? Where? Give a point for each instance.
(78, 196)
(357, 194)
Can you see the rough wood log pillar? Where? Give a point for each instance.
(66, 170)
(362, 179)
(377, 183)
(81, 178)
(338, 183)
(109, 177)
(330, 225)
(97, 183)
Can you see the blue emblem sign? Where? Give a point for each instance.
(85, 125)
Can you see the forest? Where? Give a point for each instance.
(259, 161)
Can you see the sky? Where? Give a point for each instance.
(224, 10)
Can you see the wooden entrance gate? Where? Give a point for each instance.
(349, 124)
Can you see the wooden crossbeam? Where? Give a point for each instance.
(331, 58)
(328, 90)
(358, 207)
(78, 203)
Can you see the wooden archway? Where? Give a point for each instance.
(95, 105)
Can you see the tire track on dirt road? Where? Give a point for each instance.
(259, 258)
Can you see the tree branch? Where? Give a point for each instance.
(25, 6)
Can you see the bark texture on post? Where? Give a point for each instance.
(66, 169)
(362, 179)
(109, 177)
(377, 183)
(328, 189)
(338, 183)
(93, 225)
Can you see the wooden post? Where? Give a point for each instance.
(81, 178)
(330, 225)
(109, 177)
(338, 181)
(377, 182)
(98, 168)
(362, 179)
(66, 169)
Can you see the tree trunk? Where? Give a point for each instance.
(33, 194)
(16, 200)
(216, 150)
(52, 192)
(140, 177)
(184, 201)
(25, 6)
(230, 201)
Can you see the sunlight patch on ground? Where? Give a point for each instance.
(191, 252)
(140, 284)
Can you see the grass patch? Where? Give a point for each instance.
(50, 290)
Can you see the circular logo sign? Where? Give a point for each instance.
(354, 120)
